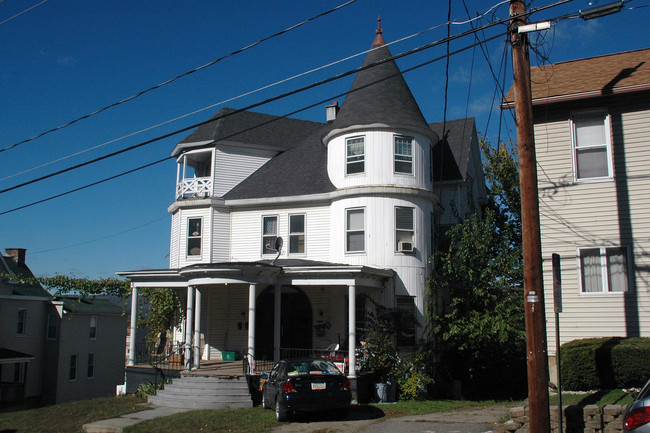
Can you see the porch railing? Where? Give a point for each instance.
(11, 393)
(198, 187)
(168, 360)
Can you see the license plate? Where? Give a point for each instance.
(318, 385)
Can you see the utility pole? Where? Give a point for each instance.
(537, 357)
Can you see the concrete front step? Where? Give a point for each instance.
(204, 393)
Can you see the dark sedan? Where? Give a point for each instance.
(306, 385)
(637, 414)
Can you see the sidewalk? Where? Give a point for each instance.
(115, 425)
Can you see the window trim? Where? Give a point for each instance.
(607, 145)
(347, 230)
(362, 161)
(412, 230)
(21, 324)
(199, 237)
(303, 233)
(604, 270)
(395, 155)
(277, 234)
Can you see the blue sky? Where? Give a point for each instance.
(64, 59)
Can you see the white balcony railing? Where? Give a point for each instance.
(199, 187)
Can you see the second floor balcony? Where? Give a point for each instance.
(196, 187)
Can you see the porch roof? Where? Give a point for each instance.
(295, 272)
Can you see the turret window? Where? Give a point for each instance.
(403, 155)
(194, 237)
(404, 229)
(355, 149)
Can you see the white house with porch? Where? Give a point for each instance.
(285, 232)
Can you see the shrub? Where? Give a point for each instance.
(605, 363)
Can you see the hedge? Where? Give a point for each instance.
(605, 363)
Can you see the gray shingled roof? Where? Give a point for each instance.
(9, 266)
(379, 95)
(455, 150)
(299, 171)
(90, 305)
(251, 128)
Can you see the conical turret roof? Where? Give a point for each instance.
(379, 97)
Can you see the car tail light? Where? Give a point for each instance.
(288, 387)
(636, 418)
(345, 386)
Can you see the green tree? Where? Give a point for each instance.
(475, 297)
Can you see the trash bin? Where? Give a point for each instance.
(228, 356)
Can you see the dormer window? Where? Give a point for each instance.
(194, 175)
(403, 155)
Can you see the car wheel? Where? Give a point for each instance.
(280, 415)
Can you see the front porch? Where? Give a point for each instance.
(251, 311)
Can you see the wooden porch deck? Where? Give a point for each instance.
(218, 368)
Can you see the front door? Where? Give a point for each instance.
(296, 321)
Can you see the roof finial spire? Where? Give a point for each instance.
(379, 40)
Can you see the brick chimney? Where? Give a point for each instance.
(17, 255)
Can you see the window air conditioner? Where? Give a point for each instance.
(405, 247)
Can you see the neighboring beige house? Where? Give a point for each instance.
(54, 350)
(592, 137)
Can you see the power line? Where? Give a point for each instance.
(336, 77)
(171, 80)
(256, 126)
(20, 13)
(268, 86)
(251, 106)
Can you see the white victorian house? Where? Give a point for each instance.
(358, 201)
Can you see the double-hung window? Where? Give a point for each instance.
(21, 325)
(91, 365)
(194, 237)
(52, 326)
(603, 269)
(403, 155)
(93, 327)
(591, 146)
(355, 233)
(269, 234)
(72, 372)
(404, 229)
(296, 234)
(355, 155)
(405, 320)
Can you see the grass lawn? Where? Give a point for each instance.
(600, 398)
(258, 420)
(68, 417)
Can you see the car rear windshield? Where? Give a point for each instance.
(315, 366)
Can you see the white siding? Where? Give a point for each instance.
(596, 214)
(247, 232)
(185, 214)
(220, 235)
(174, 251)
(235, 164)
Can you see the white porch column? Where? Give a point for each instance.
(134, 324)
(251, 326)
(277, 322)
(352, 330)
(188, 327)
(197, 328)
